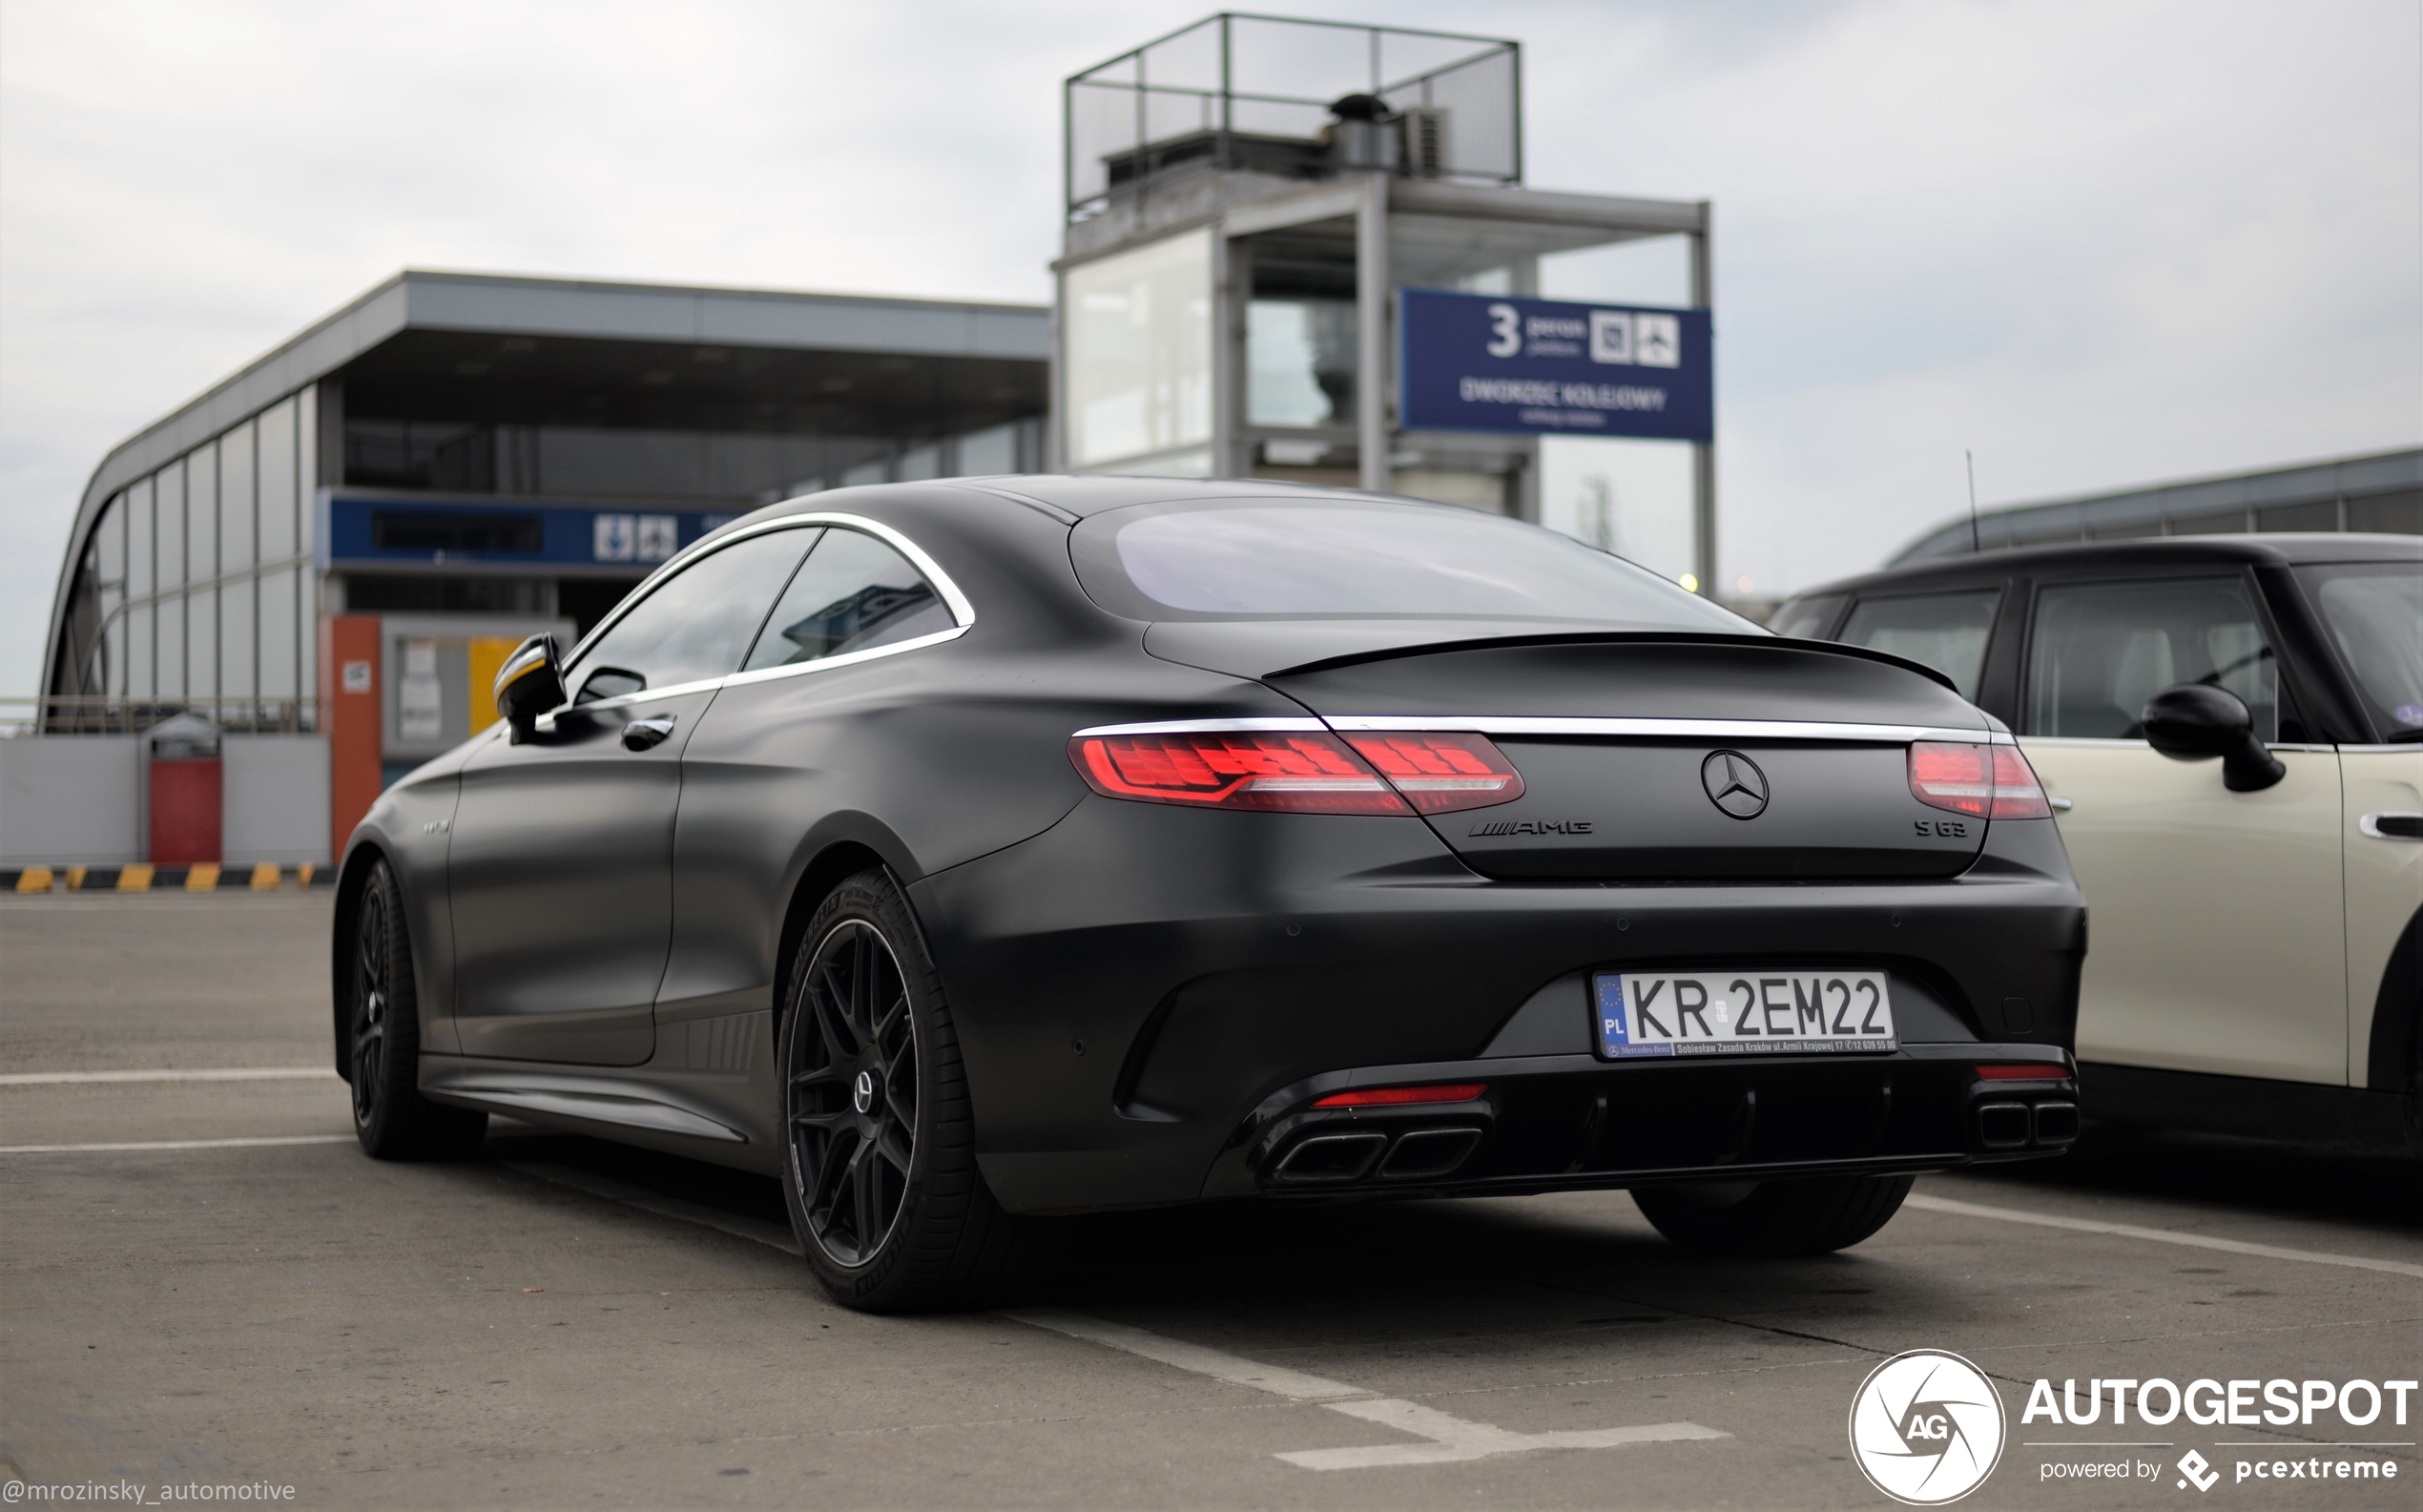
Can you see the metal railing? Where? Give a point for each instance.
(1237, 91)
(23, 718)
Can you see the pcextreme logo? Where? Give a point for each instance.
(1926, 1427)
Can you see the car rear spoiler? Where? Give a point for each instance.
(1649, 637)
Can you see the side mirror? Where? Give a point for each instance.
(528, 685)
(2193, 721)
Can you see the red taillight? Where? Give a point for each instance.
(1439, 774)
(1948, 775)
(2016, 793)
(1979, 780)
(1299, 772)
(1289, 772)
(2023, 1073)
(1398, 1096)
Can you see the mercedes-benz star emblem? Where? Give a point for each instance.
(1734, 784)
(862, 1094)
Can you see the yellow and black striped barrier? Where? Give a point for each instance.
(142, 877)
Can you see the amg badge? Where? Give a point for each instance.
(1532, 827)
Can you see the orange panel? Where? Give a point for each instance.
(487, 657)
(349, 694)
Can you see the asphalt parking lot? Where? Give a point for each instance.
(206, 1282)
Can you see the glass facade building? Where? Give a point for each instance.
(382, 506)
(195, 588)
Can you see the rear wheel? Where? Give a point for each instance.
(1762, 1220)
(382, 1049)
(880, 1170)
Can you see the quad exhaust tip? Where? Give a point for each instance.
(1428, 1153)
(2016, 1126)
(1330, 1158)
(1340, 1158)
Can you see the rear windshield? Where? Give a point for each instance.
(1337, 558)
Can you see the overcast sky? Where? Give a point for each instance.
(2100, 243)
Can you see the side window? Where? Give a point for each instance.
(855, 594)
(2101, 650)
(1804, 618)
(695, 624)
(1945, 630)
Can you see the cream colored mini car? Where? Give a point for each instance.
(2230, 729)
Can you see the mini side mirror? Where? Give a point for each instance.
(528, 685)
(2194, 721)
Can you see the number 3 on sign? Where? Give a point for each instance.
(1505, 330)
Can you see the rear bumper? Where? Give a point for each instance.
(1137, 990)
(1560, 1122)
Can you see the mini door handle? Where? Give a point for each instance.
(2393, 826)
(640, 734)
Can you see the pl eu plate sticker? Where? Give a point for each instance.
(1615, 1020)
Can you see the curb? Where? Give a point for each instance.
(142, 877)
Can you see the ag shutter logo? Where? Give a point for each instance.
(1926, 1427)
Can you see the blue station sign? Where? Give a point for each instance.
(1481, 361)
(440, 531)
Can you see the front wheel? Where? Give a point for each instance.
(382, 1040)
(1766, 1220)
(880, 1170)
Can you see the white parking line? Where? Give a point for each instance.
(1450, 1438)
(1294, 1385)
(2131, 1230)
(253, 1073)
(178, 1144)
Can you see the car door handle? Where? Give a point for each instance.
(640, 734)
(2393, 826)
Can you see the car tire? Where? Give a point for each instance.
(1766, 1220)
(382, 1053)
(878, 1168)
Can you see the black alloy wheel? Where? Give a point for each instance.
(853, 1092)
(880, 1166)
(380, 1049)
(371, 995)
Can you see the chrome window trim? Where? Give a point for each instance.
(963, 611)
(848, 658)
(1674, 729)
(2386, 748)
(626, 699)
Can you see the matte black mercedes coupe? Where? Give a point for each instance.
(964, 852)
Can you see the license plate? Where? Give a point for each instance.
(1740, 1013)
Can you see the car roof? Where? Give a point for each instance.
(1070, 499)
(1095, 494)
(2286, 549)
